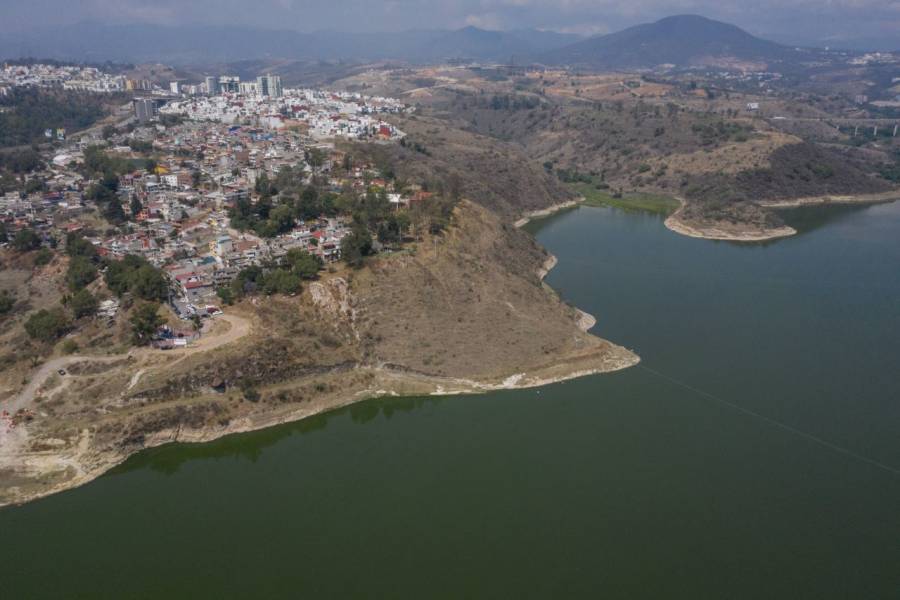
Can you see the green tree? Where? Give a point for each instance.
(149, 283)
(302, 263)
(282, 217)
(136, 275)
(83, 304)
(280, 281)
(43, 257)
(81, 272)
(356, 245)
(226, 295)
(136, 206)
(76, 245)
(47, 325)
(26, 240)
(145, 321)
(7, 302)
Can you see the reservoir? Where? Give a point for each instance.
(754, 453)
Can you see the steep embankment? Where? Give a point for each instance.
(462, 312)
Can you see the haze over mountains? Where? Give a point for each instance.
(685, 40)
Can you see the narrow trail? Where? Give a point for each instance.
(240, 327)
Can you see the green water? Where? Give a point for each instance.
(629, 485)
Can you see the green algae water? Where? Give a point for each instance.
(753, 454)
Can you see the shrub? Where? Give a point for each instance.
(26, 240)
(81, 272)
(47, 325)
(83, 304)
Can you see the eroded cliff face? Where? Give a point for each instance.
(470, 304)
(461, 312)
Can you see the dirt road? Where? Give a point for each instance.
(240, 327)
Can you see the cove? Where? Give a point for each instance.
(749, 456)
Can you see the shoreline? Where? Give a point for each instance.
(714, 232)
(546, 212)
(711, 232)
(675, 223)
(879, 198)
(89, 464)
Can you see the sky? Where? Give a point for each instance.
(804, 19)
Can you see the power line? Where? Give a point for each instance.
(775, 423)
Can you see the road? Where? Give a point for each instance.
(240, 327)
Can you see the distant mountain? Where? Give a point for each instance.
(206, 44)
(684, 40)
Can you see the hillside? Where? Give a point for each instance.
(412, 323)
(685, 40)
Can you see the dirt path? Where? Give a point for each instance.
(239, 327)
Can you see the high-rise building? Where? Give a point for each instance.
(275, 89)
(212, 86)
(230, 84)
(269, 85)
(175, 87)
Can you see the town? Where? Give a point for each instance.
(246, 187)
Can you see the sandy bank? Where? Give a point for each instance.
(723, 231)
(833, 199)
(37, 474)
(546, 212)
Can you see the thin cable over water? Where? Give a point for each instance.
(784, 426)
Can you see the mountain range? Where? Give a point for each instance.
(683, 41)
(181, 45)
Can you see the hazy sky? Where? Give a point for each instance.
(805, 18)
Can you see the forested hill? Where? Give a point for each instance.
(25, 113)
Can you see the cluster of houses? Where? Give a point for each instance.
(320, 114)
(87, 79)
(178, 211)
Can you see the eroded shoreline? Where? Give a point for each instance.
(46, 471)
(718, 231)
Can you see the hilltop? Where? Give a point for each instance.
(683, 40)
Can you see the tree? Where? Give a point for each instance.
(7, 302)
(315, 157)
(76, 245)
(43, 257)
(47, 325)
(81, 272)
(26, 240)
(226, 295)
(356, 245)
(83, 304)
(149, 283)
(145, 321)
(134, 274)
(302, 263)
(136, 206)
(282, 217)
(280, 281)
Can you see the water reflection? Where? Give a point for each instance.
(806, 219)
(169, 458)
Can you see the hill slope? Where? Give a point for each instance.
(684, 40)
